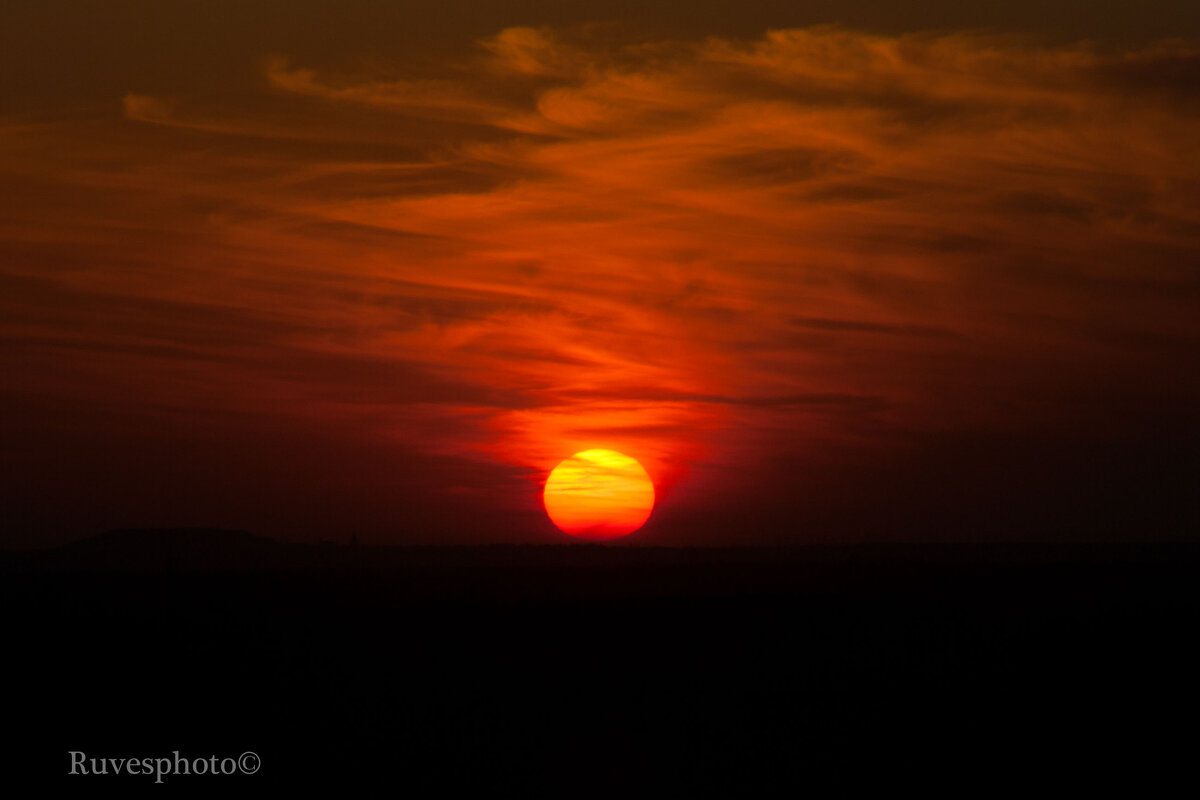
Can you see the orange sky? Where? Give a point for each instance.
(813, 274)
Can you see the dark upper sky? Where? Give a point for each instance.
(829, 270)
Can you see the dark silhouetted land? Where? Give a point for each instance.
(596, 671)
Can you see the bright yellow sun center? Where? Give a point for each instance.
(599, 494)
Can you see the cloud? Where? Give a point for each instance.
(706, 252)
(143, 108)
(531, 51)
(435, 98)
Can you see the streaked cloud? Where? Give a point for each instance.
(709, 254)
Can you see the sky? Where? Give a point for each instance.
(830, 272)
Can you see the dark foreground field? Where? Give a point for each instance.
(600, 672)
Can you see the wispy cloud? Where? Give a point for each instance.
(702, 252)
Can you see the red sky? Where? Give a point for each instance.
(931, 276)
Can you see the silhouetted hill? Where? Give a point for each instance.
(598, 571)
(595, 671)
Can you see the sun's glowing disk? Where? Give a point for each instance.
(599, 494)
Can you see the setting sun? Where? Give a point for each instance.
(599, 494)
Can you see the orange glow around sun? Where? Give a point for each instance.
(599, 494)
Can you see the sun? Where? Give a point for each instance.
(598, 494)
